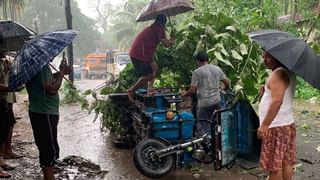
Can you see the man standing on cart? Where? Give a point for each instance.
(205, 82)
(142, 53)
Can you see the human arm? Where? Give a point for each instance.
(191, 90)
(169, 42)
(278, 83)
(193, 87)
(226, 83)
(261, 92)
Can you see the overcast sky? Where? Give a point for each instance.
(84, 6)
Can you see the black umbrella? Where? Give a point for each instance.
(13, 35)
(292, 52)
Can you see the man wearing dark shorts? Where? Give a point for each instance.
(44, 115)
(142, 52)
(205, 82)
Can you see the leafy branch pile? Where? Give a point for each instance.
(73, 95)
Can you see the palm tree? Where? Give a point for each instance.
(126, 26)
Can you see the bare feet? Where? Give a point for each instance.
(151, 92)
(12, 155)
(130, 95)
(4, 174)
(7, 167)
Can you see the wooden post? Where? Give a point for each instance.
(70, 46)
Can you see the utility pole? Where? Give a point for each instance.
(70, 46)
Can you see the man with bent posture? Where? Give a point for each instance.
(142, 53)
(277, 129)
(205, 82)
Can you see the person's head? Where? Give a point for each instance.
(202, 57)
(161, 20)
(271, 62)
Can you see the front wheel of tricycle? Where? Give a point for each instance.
(148, 163)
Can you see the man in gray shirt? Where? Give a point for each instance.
(205, 82)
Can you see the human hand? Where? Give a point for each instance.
(64, 68)
(183, 93)
(173, 35)
(262, 131)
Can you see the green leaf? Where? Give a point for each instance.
(236, 55)
(181, 44)
(221, 59)
(198, 48)
(218, 56)
(222, 49)
(87, 92)
(222, 35)
(231, 28)
(243, 49)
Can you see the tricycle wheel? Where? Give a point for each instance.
(148, 163)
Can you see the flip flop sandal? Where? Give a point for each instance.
(7, 167)
(4, 174)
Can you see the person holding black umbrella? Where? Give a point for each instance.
(277, 128)
(142, 53)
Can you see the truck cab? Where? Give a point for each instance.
(121, 60)
(97, 66)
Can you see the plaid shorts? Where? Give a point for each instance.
(278, 148)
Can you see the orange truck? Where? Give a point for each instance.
(98, 65)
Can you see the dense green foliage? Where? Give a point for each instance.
(215, 26)
(219, 28)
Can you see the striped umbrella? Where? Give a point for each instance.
(36, 53)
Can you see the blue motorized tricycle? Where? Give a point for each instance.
(162, 128)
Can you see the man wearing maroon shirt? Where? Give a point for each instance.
(142, 53)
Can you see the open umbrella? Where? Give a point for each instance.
(166, 7)
(13, 35)
(36, 53)
(292, 52)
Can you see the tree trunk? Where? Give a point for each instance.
(11, 7)
(70, 46)
(313, 30)
(5, 15)
(286, 7)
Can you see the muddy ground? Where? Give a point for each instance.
(81, 137)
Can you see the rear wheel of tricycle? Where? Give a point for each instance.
(148, 163)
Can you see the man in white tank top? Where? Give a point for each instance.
(277, 128)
